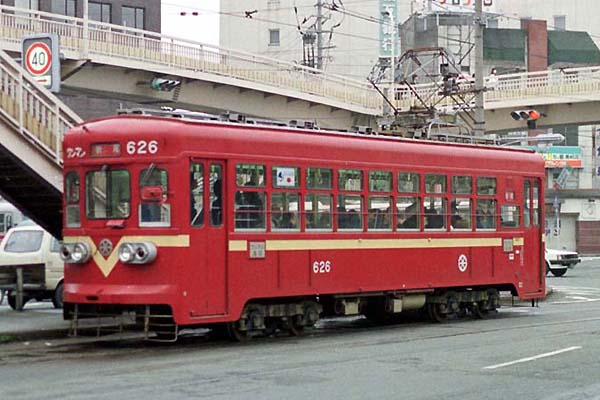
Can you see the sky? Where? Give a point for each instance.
(201, 28)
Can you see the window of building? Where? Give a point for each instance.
(30, 4)
(285, 209)
(560, 22)
(408, 213)
(380, 181)
(154, 209)
(510, 216)
(319, 178)
(318, 211)
(408, 182)
(64, 7)
(350, 179)
(274, 37)
(133, 17)
(350, 212)
(492, 23)
(572, 181)
(100, 11)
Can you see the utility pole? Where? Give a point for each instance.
(479, 129)
(393, 56)
(319, 27)
(86, 28)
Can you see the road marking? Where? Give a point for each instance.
(533, 358)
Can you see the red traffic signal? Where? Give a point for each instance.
(528, 115)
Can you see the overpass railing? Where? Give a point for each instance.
(34, 112)
(95, 38)
(569, 84)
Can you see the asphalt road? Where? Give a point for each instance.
(550, 352)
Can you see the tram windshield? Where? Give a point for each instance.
(108, 194)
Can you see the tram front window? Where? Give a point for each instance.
(108, 194)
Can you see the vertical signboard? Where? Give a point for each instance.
(388, 11)
(40, 57)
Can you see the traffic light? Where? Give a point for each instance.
(531, 116)
(164, 85)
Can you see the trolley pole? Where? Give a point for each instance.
(479, 82)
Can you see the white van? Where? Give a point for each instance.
(31, 246)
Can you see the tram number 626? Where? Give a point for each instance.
(321, 267)
(142, 147)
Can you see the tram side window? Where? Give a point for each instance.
(435, 212)
(284, 211)
(536, 204)
(526, 204)
(380, 181)
(319, 178)
(349, 212)
(250, 203)
(435, 183)
(250, 175)
(485, 214)
(318, 211)
(462, 185)
(510, 216)
(460, 213)
(408, 182)
(350, 179)
(216, 195)
(486, 186)
(285, 177)
(408, 213)
(196, 194)
(72, 209)
(380, 213)
(154, 209)
(108, 194)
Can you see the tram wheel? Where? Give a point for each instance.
(480, 310)
(437, 312)
(295, 326)
(235, 333)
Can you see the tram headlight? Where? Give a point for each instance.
(137, 253)
(126, 253)
(75, 253)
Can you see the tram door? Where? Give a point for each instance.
(208, 239)
(533, 249)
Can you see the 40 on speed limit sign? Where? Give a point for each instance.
(40, 58)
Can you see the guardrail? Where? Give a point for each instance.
(567, 83)
(32, 110)
(95, 38)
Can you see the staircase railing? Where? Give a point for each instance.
(33, 111)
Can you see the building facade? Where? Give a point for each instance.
(140, 14)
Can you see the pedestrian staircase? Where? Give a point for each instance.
(32, 124)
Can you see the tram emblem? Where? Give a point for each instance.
(105, 247)
(463, 263)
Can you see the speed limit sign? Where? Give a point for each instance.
(38, 59)
(41, 60)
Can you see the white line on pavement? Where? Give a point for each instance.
(522, 360)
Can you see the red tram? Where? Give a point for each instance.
(252, 228)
